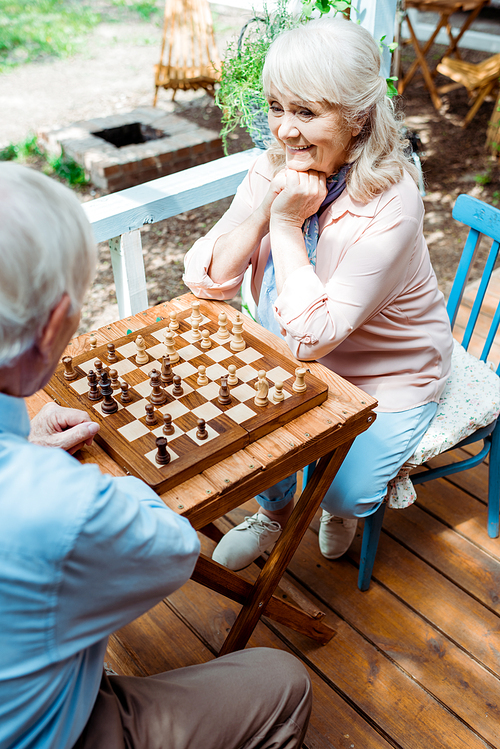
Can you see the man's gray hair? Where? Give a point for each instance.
(46, 249)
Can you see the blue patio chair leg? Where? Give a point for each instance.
(494, 483)
(371, 535)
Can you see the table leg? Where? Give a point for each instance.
(280, 557)
(422, 62)
(452, 49)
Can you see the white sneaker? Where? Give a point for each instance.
(241, 545)
(335, 535)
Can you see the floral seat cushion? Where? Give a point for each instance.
(470, 400)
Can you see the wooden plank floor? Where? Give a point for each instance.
(415, 662)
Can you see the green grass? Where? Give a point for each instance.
(146, 9)
(28, 152)
(33, 29)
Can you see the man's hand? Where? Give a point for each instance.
(67, 428)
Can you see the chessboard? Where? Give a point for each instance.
(196, 347)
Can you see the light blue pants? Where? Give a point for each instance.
(375, 457)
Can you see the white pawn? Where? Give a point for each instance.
(202, 377)
(237, 342)
(299, 386)
(278, 394)
(195, 330)
(173, 324)
(206, 343)
(262, 388)
(223, 332)
(169, 343)
(141, 357)
(232, 379)
(93, 341)
(195, 313)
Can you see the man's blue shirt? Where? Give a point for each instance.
(81, 554)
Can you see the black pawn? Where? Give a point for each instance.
(167, 377)
(177, 390)
(201, 432)
(158, 396)
(162, 457)
(224, 395)
(98, 368)
(168, 427)
(109, 405)
(113, 376)
(150, 415)
(94, 392)
(111, 358)
(125, 396)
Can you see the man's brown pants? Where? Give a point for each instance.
(254, 699)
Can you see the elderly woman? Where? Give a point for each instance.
(330, 221)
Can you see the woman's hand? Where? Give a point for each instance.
(299, 197)
(67, 428)
(278, 184)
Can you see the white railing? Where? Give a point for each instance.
(119, 216)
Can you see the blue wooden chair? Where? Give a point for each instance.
(483, 220)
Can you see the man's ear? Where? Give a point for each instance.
(50, 335)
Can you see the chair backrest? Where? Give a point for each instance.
(483, 220)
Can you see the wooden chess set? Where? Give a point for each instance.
(178, 396)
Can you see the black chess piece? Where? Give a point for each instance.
(224, 395)
(113, 376)
(109, 405)
(158, 396)
(167, 376)
(94, 393)
(177, 390)
(125, 396)
(98, 369)
(151, 419)
(168, 427)
(201, 432)
(162, 457)
(111, 358)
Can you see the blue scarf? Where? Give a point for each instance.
(310, 230)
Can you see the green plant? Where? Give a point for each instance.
(67, 169)
(22, 151)
(145, 8)
(40, 28)
(28, 151)
(483, 179)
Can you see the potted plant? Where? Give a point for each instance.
(240, 95)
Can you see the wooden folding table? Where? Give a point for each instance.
(324, 433)
(444, 8)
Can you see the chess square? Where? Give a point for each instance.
(128, 349)
(191, 337)
(202, 320)
(177, 432)
(210, 391)
(247, 373)
(185, 388)
(124, 367)
(88, 364)
(278, 374)
(184, 370)
(215, 372)
(206, 411)
(249, 355)
(212, 434)
(160, 333)
(218, 354)
(243, 392)
(158, 351)
(175, 409)
(137, 409)
(133, 431)
(98, 405)
(151, 457)
(240, 413)
(80, 386)
(216, 337)
(147, 368)
(188, 352)
(143, 388)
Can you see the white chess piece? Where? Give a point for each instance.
(262, 388)
(278, 395)
(202, 377)
(169, 343)
(206, 343)
(237, 342)
(195, 330)
(173, 324)
(232, 378)
(299, 386)
(141, 357)
(195, 313)
(223, 332)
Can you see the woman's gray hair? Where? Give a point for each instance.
(337, 62)
(46, 249)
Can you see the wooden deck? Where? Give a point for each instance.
(415, 662)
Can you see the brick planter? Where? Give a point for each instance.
(113, 168)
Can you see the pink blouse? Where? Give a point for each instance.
(371, 310)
